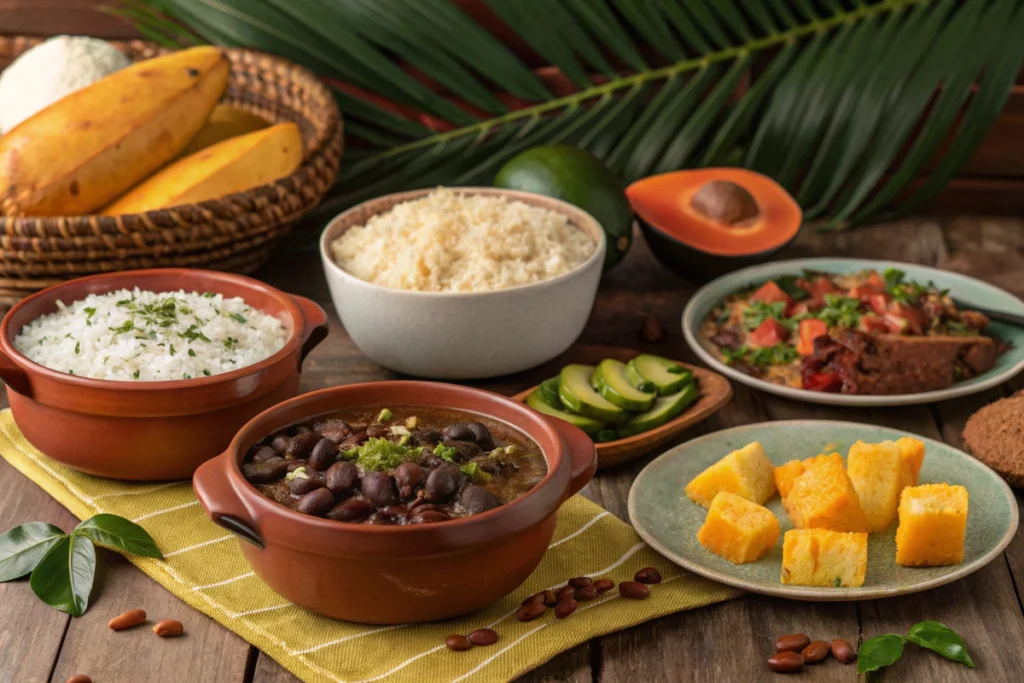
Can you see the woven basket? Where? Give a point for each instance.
(238, 232)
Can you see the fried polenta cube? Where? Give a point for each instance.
(737, 529)
(746, 472)
(823, 497)
(933, 521)
(879, 473)
(786, 475)
(819, 557)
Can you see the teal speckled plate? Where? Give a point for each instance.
(961, 287)
(668, 520)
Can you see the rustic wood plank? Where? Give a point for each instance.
(30, 631)
(207, 651)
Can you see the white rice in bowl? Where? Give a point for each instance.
(447, 241)
(150, 336)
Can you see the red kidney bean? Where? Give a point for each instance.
(323, 455)
(264, 453)
(379, 488)
(460, 431)
(342, 476)
(634, 590)
(566, 592)
(843, 651)
(549, 598)
(355, 510)
(536, 597)
(483, 637)
(793, 642)
(457, 643)
(815, 652)
(786, 662)
(316, 503)
(334, 429)
(441, 485)
(477, 499)
(409, 474)
(264, 472)
(428, 517)
(392, 512)
(300, 486)
(648, 575)
(302, 429)
(302, 445)
(466, 449)
(580, 581)
(531, 611)
(352, 440)
(281, 443)
(565, 607)
(604, 585)
(587, 592)
(293, 465)
(481, 435)
(378, 431)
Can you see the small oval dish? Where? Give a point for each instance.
(151, 430)
(715, 392)
(464, 335)
(961, 287)
(396, 574)
(664, 517)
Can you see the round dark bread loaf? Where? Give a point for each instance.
(995, 436)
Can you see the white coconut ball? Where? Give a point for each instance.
(51, 70)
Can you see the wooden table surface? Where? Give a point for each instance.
(724, 642)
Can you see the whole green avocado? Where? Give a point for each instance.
(578, 177)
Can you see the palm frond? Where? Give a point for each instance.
(844, 102)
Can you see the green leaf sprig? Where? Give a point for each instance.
(886, 650)
(63, 566)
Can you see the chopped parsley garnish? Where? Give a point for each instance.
(126, 326)
(193, 333)
(172, 349)
(759, 311)
(78, 347)
(446, 453)
(230, 343)
(893, 277)
(780, 354)
(788, 284)
(840, 311)
(192, 353)
(238, 317)
(206, 372)
(135, 375)
(187, 376)
(208, 295)
(89, 313)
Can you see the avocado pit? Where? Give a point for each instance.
(725, 202)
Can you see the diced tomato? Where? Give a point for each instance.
(875, 280)
(769, 333)
(821, 381)
(897, 325)
(799, 308)
(879, 303)
(769, 293)
(819, 287)
(872, 323)
(864, 292)
(810, 330)
(905, 318)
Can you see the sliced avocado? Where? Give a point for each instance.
(611, 382)
(549, 393)
(664, 409)
(588, 425)
(579, 397)
(667, 376)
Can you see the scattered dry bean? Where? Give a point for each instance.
(129, 619)
(648, 575)
(566, 592)
(531, 611)
(785, 662)
(483, 637)
(634, 590)
(168, 628)
(604, 585)
(580, 581)
(815, 652)
(794, 642)
(457, 643)
(843, 651)
(536, 597)
(79, 678)
(550, 599)
(565, 607)
(587, 592)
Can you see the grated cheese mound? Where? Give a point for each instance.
(451, 242)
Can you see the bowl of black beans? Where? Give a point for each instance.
(395, 502)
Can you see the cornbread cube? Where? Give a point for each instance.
(786, 475)
(746, 472)
(819, 557)
(879, 473)
(912, 451)
(933, 518)
(824, 498)
(737, 529)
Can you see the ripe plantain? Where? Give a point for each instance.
(89, 147)
(226, 121)
(233, 165)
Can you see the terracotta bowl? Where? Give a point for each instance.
(396, 574)
(151, 430)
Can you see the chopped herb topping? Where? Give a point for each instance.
(192, 353)
(239, 318)
(135, 375)
(206, 372)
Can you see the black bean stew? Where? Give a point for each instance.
(407, 466)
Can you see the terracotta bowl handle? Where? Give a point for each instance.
(14, 376)
(221, 502)
(315, 330)
(582, 453)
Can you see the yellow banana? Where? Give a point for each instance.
(231, 166)
(89, 147)
(225, 122)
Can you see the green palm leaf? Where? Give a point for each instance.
(844, 102)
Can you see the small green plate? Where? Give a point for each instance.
(668, 520)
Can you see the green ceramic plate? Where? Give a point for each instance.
(668, 520)
(961, 287)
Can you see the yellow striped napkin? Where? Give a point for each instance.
(205, 568)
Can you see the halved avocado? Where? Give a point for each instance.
(579, 397)
(706, 222)
(589, 425)
(664, 409)
(665, 375)
(549, 392)
(609, 379)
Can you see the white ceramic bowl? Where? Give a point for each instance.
(464, 335)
